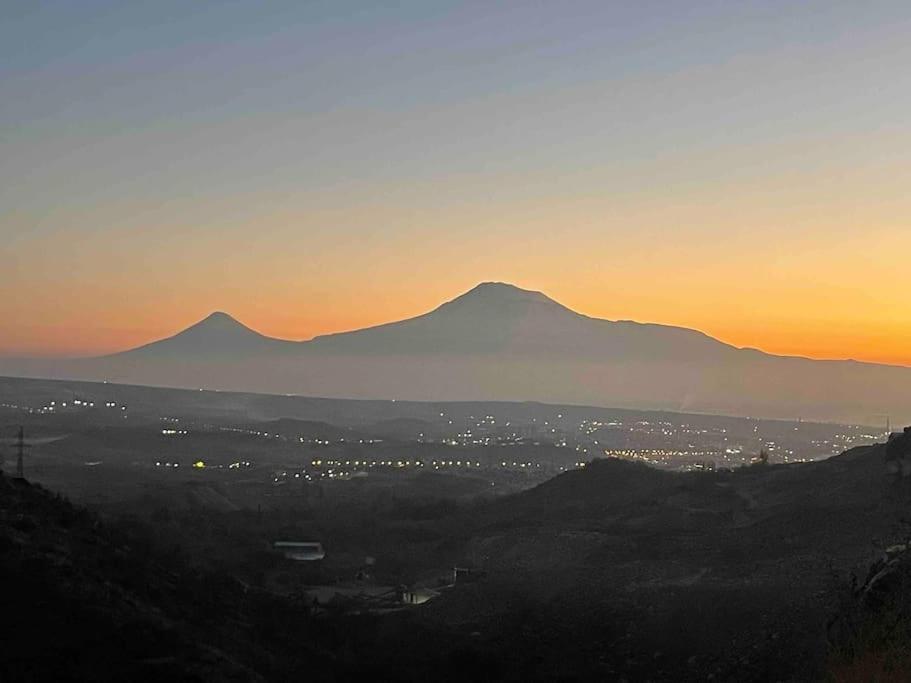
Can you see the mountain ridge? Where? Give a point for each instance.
(497, 342)
(221, 321)
(487, 306)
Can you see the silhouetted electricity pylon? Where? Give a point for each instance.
(888, 422)
(20, 454)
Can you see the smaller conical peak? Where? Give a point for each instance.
(218, 318)
(219, 321)
(217, 332)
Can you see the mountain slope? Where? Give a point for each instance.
(708, 575)
(499, 342)
(86, 601)
(499, 318)
(218, 334)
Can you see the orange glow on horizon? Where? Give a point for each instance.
(817, 278)
(811, 338)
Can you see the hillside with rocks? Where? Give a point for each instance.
(599, 573)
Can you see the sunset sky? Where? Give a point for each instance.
(743, 168)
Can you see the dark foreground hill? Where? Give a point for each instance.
(83, 601)
(88, 600)
(616, 571)
(728, 575)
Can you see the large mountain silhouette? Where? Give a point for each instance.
(499, 342)
(499, 318)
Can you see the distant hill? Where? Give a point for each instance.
(499, 342)
(311, 430)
